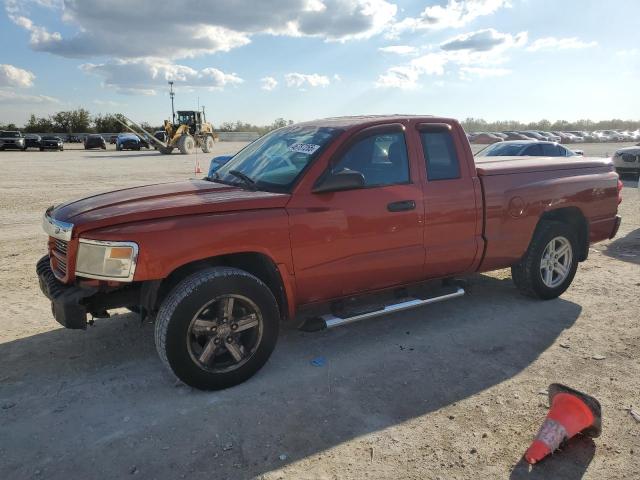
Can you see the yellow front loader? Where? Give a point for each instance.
(190, 132)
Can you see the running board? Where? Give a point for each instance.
(331, 321)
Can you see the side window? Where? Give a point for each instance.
(533, 150)
(440, 155)
(381, 158)
(549, 150)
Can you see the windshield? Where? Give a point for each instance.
(10, 134)
(50, 138)
(275, 160)
(502, 150)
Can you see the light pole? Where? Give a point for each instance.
(171, 94)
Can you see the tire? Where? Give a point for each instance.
(42, 149)
(166, 150)
(62, 149)
(186, 144)
(528, 273)
(193, 300)
(207, 144)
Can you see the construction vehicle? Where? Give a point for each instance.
(191, 131)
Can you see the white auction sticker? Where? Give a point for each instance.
(308, 148)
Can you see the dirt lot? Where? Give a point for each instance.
(452, 390)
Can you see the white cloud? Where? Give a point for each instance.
(140, 77)
(473, 54)
(301, 80)
(632, 52)
(9, 97)
(120, 29)
(482, 72)
(108, 103)
(11, 76)
(553, 43)
(268, 83)
(484, 40)
(455, 14)
(399, 50)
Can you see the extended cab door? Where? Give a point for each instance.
(453, 201)
(360, 239)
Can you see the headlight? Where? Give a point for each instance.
(106, 260)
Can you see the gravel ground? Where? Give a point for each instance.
(452, 390)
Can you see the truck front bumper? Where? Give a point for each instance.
(70, 304)
(66, 300)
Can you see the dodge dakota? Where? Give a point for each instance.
(316, 225)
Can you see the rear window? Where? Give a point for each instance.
(503, 150)
(440, 155)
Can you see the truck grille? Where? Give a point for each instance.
(58, 251)
(630, 158)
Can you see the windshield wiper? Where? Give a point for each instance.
(246, 179)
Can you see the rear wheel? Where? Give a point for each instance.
(207, 144)
(550, 263)
(186, 144)
(217, 328)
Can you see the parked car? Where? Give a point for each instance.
(535, 135)
(32, 141)
(94, 141)
(216, 163)
(612, 135)
(74, 139)
(516, 136)
(50, 142)
(113, 139)
(129, 141)
(529, 148)
(12, 139)
(566, 137)
(586, 136)
(316, 225)
(552, 137)
(501, 135)
(627, 160)
(485, 138)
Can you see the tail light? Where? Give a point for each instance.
(619, 191)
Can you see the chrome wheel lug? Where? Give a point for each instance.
(216, 341)
(229, 340)
(234, 326)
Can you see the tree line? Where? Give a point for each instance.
(80, 120)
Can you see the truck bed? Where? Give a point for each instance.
(490, 166)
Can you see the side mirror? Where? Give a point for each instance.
(344, 180)
(218, 162)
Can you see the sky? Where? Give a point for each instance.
(256, 61)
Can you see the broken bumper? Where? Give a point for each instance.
(70, 304)
(65, 299)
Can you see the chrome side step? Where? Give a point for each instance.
(331, 321)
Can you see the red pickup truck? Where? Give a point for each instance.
(319, 224)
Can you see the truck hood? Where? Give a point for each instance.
(162, 200)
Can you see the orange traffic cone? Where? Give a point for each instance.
(571, 412)
(197, 169)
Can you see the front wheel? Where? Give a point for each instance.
(217, 328)
(208, 144)
(550, 263)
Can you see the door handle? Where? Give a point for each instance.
(401, 206)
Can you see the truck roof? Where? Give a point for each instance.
(364, 120)
(489, 166)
